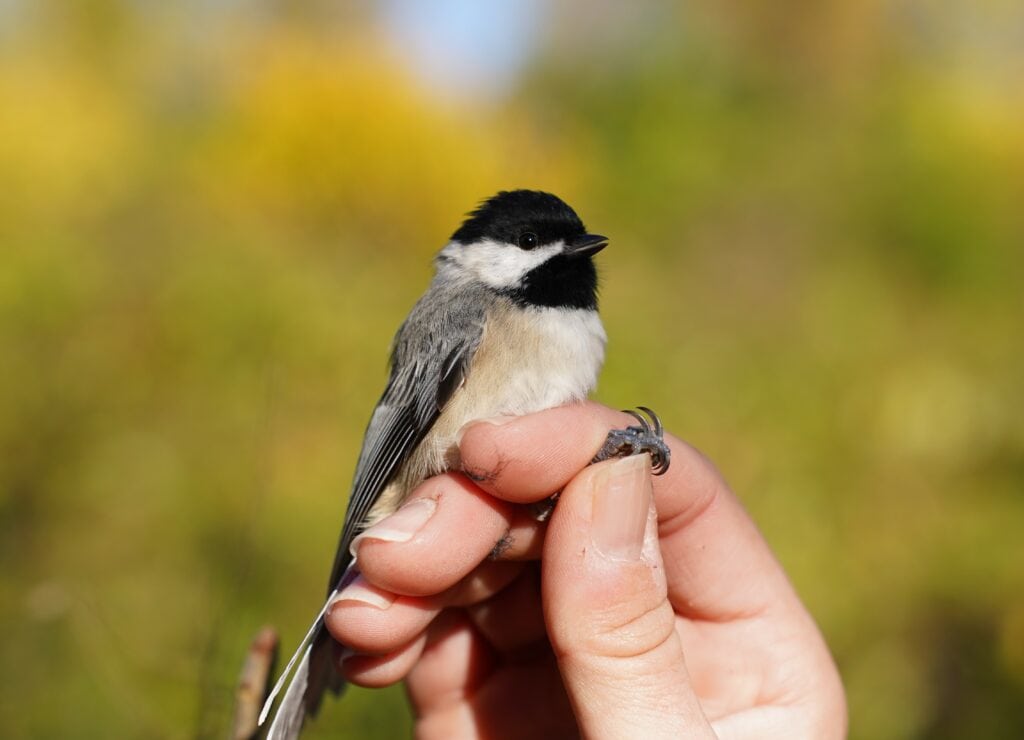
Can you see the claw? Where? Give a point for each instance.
(634, 440)
(660, 460)
(645, 425)
(659, 430)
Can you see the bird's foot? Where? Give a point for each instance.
(648, 438)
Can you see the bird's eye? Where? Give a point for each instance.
(527, 240)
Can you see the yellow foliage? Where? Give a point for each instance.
(338, 135)
(67, 139)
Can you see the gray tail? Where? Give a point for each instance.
(312, 677)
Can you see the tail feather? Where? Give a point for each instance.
(313, 675)
(291, 713)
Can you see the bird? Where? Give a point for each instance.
(508, 326)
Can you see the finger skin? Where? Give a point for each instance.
(524, 538)
(378, 671)
(377, 626)
(461, 533)
(514, 618)
(454, 663)
(460, 688)
(370, 620)
(529, 458)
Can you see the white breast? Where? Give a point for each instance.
(536, 358)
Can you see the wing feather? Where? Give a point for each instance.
(431, 356)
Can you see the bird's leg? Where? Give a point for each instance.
(648, 438)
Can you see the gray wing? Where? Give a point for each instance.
(430, 358)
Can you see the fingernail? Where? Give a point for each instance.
(498, 421)
(495, 421)
(621, 502)
(401, 526)
(361, 591)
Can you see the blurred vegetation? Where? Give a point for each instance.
(214, 215)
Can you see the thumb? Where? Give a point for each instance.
(607, 610)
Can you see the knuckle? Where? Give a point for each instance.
(628, 629)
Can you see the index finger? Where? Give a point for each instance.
(717, 564)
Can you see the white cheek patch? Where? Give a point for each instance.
(499, 265)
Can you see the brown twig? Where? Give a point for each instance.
(253, 683)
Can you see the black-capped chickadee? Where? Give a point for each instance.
(509, 326)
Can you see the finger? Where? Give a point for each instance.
(513, 618)
(370, 620)
(717, 563)
(528, 458)
(607, 609)
(446, 528)
(524, 538)
(483, 583)
(377, 671)
(457, 686)
(454, 663)
(721, 574)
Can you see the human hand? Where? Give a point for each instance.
(645, 616)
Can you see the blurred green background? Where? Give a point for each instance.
(214, 214)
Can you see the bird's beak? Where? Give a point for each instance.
(586, 245)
